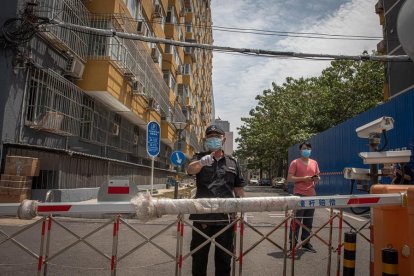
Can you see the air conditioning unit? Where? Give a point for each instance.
(137, 88)
(153, 105)
(141, 28)
(155, 54)
(157, 11)
(115, 129)
(74, 68)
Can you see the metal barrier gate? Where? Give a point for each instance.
(44, 257)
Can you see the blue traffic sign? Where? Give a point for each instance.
(153, 139)
(177, 158)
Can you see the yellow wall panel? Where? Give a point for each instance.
(154, 116)
(95, 76)
(167, 131)
(101, 6)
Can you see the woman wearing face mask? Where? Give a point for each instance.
(217, 175)
(304, 173)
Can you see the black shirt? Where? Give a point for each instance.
(217, 180)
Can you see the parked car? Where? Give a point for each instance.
(253, 181)
(265, 182)
(278, 182)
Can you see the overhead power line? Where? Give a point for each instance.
(268, 32)
(311, 35)
(258, 52)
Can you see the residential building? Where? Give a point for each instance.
(80, 101)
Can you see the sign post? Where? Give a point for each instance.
(177, 159)
(153, 145)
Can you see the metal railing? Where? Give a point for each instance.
(250, 235)
(53, 104)
(131, 57)
(72, 11)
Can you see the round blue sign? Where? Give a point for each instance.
(153, 139)
(178, 158)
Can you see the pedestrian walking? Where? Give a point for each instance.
(217, 176)
(304, 173)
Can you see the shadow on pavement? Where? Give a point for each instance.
(281, 255)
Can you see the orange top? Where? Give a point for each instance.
(299, 168)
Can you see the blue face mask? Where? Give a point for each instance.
(213, 143)
(305, 153)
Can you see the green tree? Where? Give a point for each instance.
(300, 108)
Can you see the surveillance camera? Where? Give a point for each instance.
(375, 127)
(358, 173)
(386, 157)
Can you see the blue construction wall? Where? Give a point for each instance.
(338, 147)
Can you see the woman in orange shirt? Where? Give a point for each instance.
(304, 173)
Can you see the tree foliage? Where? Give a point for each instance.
(300, 108)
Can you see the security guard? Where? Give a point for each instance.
(217, 175)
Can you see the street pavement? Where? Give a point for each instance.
(84, 259)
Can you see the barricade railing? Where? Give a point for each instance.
(147, 208)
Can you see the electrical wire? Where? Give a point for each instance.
(259, 52)
(312, 35)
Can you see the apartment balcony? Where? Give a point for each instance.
(70, 11)
(167, 132)
(168, 62)
(172, 31)
(194, 142)
(189, 80)
(189, 16)
(116, 63)
(189, 52)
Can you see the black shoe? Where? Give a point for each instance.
(308, 247)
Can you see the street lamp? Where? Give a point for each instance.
(179, 126)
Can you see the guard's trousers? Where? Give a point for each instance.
(222, 260)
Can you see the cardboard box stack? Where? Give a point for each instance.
(16, 182)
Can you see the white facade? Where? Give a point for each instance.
(228, 145)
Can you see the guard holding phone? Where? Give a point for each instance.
(304, 173)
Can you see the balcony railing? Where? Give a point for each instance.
(70, 11)
(131, 57)
(53, 104)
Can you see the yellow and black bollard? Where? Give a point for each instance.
(349, 254)
(389, 261)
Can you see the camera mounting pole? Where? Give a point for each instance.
(374, 140)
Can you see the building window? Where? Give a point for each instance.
(187, 69)
(171, 16)
(134, 7)
(170, 81)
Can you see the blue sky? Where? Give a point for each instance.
(237, 79)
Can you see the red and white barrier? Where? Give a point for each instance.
(147, 207)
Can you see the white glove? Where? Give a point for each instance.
(206, 160)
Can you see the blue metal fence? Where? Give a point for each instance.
(338, 147)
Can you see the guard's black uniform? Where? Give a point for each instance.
(217, 180)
